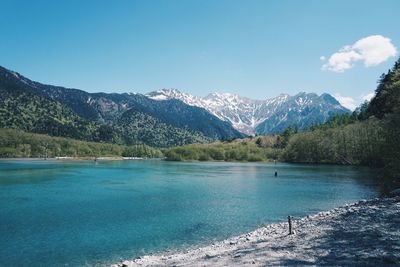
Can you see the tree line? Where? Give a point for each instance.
(16, 143)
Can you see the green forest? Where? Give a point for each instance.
(16, 144)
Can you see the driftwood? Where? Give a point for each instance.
(290, 224)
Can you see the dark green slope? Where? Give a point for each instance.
(386, 106)
(387, 98)
(23, 108)
(181, 115)
(138, 127)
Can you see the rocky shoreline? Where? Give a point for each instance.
(365, 233)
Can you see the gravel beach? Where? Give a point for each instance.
(365, 233)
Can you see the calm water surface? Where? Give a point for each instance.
(85, 213)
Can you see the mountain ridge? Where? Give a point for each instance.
(254, 116)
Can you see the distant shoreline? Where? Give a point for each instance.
(367, 227)
(75, 159)
(118, 158)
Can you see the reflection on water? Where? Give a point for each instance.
(76, 213)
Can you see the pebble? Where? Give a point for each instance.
(209, 256)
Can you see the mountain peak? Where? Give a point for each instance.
(224, 94)
(170, 91)
(329, 98)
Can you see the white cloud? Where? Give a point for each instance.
(346, 101)
(368, 97)
(322, 58)
(372, 50)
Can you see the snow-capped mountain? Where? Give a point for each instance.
(261, 116)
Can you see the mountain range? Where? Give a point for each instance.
(261, 117)
(115, 118)
(161, 118)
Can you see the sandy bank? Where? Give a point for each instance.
(366, 233)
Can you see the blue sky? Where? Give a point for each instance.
(257, 49)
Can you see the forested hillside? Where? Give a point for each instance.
(26, 110)
(113, 118)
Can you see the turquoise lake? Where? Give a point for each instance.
(80, 213)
